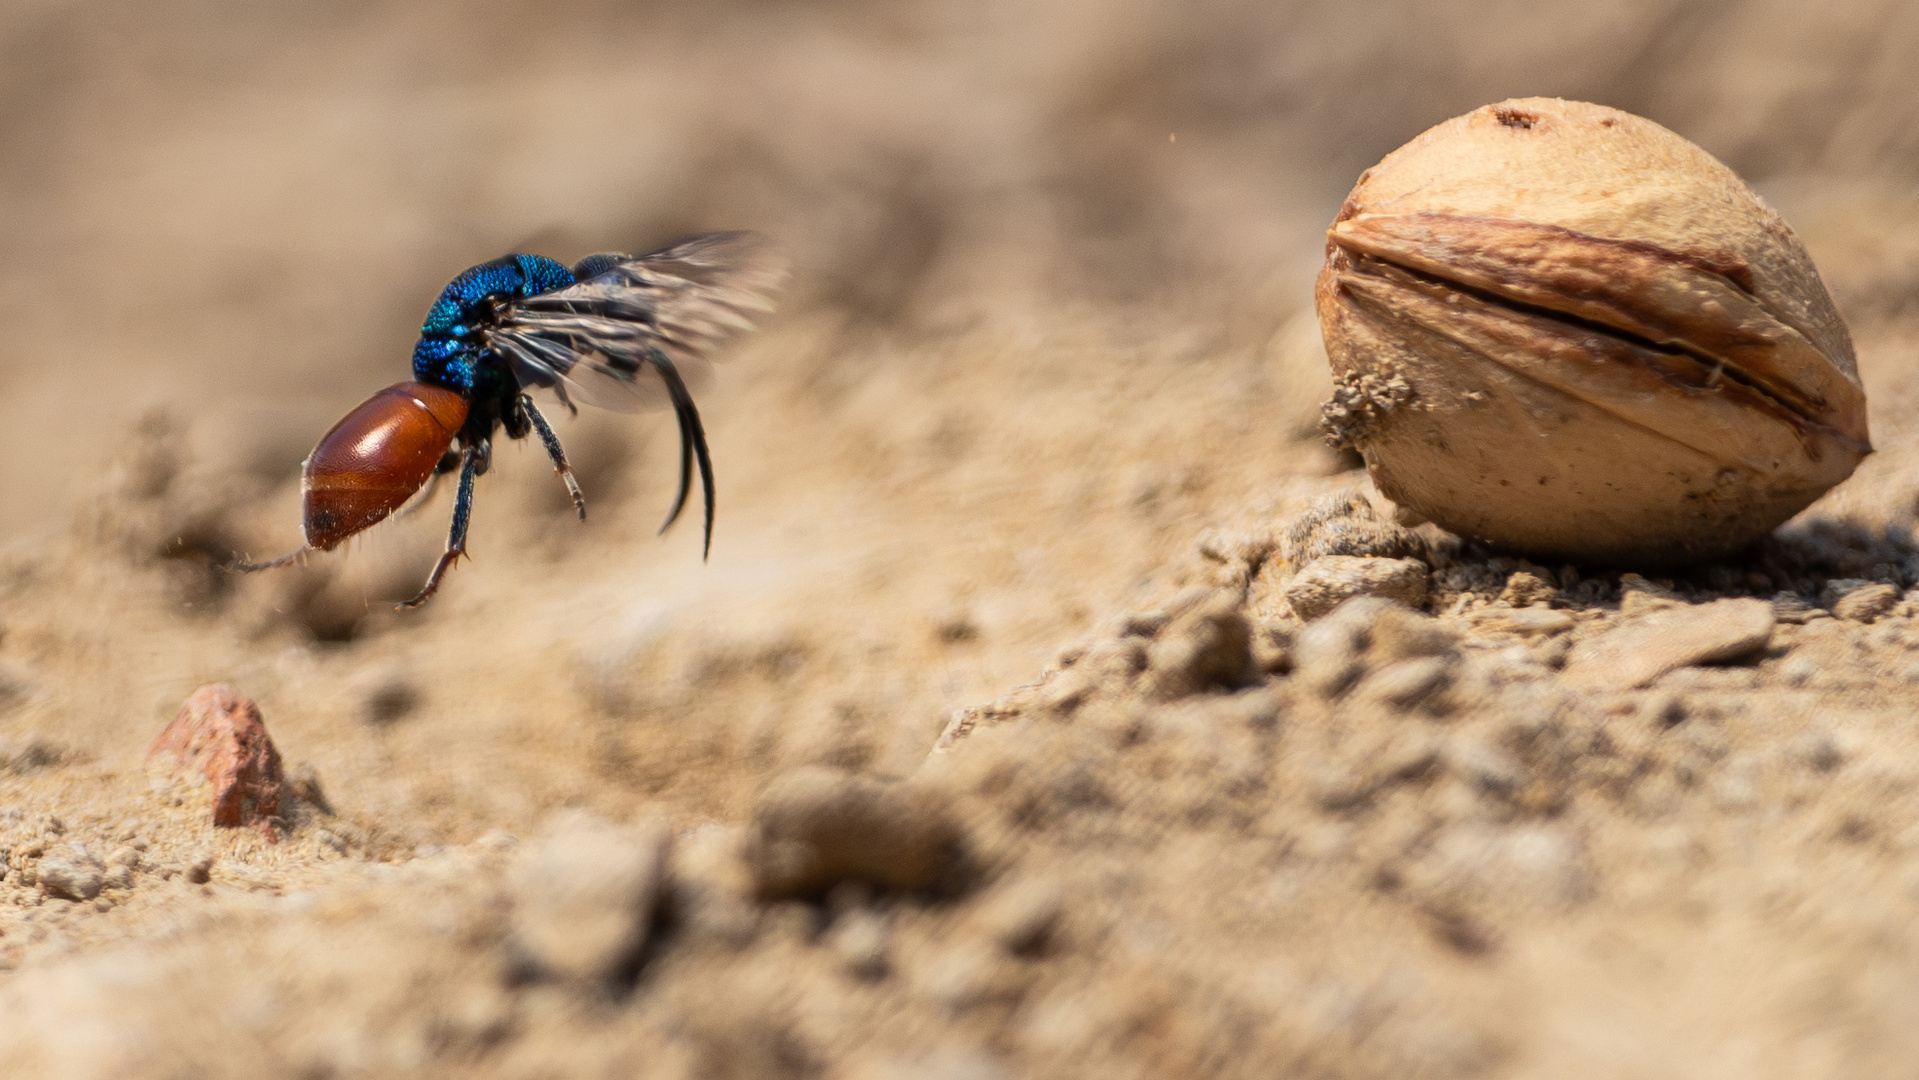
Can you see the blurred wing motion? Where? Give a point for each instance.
(634, 326)
(618, 337)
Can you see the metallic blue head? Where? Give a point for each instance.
(450, 350)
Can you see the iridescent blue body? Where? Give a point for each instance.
(452, 350)
(605, 331)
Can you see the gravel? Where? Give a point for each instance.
(71, 872)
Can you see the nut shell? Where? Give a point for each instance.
(1565, 330)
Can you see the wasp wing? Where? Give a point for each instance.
(629, 333)
(613, 338)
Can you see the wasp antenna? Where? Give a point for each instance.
(247, 566)
(693, 436)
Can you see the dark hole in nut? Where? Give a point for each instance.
(1516, 118)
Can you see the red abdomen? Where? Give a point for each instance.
(376, 458)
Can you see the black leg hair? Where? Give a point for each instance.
(692, 437)
(456, 539)
(554, 451)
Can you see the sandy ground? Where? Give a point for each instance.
(1005, 492)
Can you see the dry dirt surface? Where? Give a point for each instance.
(1053, 704)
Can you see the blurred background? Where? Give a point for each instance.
(1049, 324)
(1050, 318)
(241, 211)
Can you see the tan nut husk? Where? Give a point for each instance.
(1565, 330)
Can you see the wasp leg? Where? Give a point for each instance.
(246, 566)
(473, 463)
(692, 446)
(556, 452)
(686, 475)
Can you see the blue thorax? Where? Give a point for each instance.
(449, 352)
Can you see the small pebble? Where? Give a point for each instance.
(1210, 646)
(859, 941)
(1527, 622)
(1524, 588)
(1022, 919)
(303, 783)
(1645, 648)
(1866, 603)
(1492, 768)
(1143, 624)
(1637, 596)
(200, 871)
(1327, 654)
(71, 871)
(814, 827)
(1397, 633)
(1839, 588)
(1330, 581)
(219, 733)
(390, 698)
(1344, 524)
(1818, 751)
(1409, 682)
(1331, 654)
(1790, 607)
(1408, 756)
(1664, 710)
(1798, 670)
(584, 897)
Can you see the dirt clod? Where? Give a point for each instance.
(1524, 588)
(1865, 602)
(814, 827)
(70, 871)
(1408, 655)
(1329, 581)
(584, 895)
(1022, 918)
(1207, 647)
(1644, 649)
(1345, 524)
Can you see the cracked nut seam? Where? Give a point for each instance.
(1564, 330)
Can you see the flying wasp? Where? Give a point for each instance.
(614, 331)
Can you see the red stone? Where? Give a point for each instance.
(220, 734)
